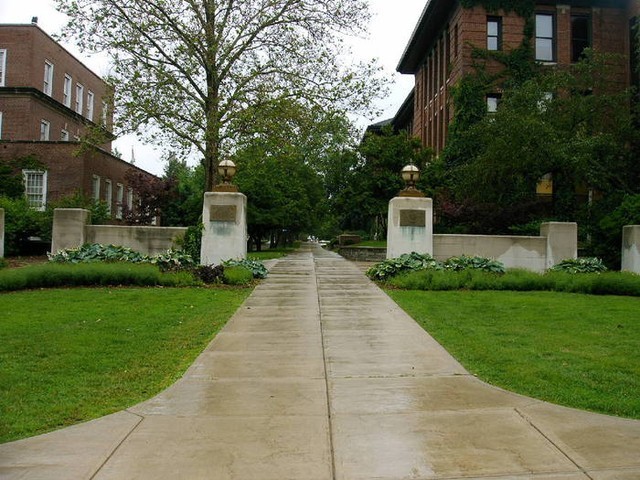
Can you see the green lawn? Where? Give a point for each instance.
(270, 253)
(372, 243)
(576, 350)
(67, 356)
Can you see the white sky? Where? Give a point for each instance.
(391, 26)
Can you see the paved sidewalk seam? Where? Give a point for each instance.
(124, 439)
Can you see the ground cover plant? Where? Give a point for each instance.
(99, 351)
(570, 349)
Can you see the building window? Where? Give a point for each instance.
(108, 195)
(634, 25)
(90, 100)
(580, 36)
(45, 128)
(119, 200)
(66, 91)
(545, 37)
(79, 98)
(493, 102)
(95, 188)
(64, 136)
(130, 199)
(3, 66)
(105, 112)
(35, 188)
(0, 125)
(494, 33)
(48, 78)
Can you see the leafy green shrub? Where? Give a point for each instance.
(93, 274)
(192, 242)
(474, 263)
(21, 222)
(609, 283)
(171, 260)
(3, 263)
(404, 263)
(256, 267)
(237, 275)
(209, 273)
(580, 265)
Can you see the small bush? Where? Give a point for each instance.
(474, 263)
(256, 267)
(3, 263)
(404, 263)
(580, 265)
(237, 275)
(209, 273)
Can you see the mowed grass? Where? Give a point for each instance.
(576, 350)
(67, 356)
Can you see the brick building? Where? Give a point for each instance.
(439, 52)
(49, 103)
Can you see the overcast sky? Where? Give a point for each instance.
(391, 26)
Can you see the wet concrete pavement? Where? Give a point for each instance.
(320, 376)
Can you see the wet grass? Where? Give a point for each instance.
(570, 349)
(67, 356)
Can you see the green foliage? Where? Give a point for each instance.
(191, 243)
(613, 215)
(465, 262)
(99, 209)
(256, 267)
(365, 180)
(170, 260)
(183, 208)
(21, 222)
(237, 275)
(407, 262)
(3, 263)
(11, 180)
(55, 275)
(608, 283)
(580, 265)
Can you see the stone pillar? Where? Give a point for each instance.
(1, 232)
(224, 215)
(410, 226)
(69, 228)
(631, 248)
(562, 241)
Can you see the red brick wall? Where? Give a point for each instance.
(27, 49)
(70, 171)
(467, 28)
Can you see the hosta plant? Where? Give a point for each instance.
(580, 265)
(407, 262)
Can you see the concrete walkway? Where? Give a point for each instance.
(320, 376)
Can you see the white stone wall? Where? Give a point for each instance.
(1, 232)
(146, 240)
(631, 248)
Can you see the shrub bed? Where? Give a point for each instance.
(609, 283)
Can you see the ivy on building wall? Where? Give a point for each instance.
(469, 94)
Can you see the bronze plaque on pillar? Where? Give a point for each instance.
(222, 213)
(413, 218)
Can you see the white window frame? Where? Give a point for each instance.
(493, 103)
(3, 66)
(79, 98)
(67, 90)
(497, 35)
(90, 101)
(553, 38)
(29, 190)
(0, 125)
(119, 200)
(45, 130)
(104, 113)
(130, 198)
(64, 135)
(108, 194)
(48, 78)
(95, 188)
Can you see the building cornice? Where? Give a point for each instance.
(54, 104)
(436, 13)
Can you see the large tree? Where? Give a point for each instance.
(187, 68)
